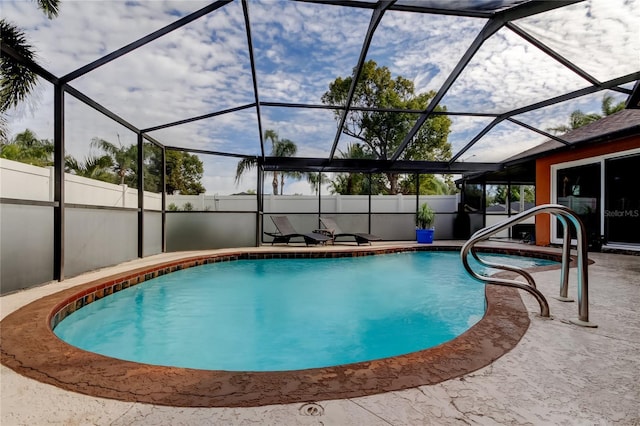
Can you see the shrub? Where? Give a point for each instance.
(425, 216)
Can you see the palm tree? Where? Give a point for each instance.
(93, 167)
(17, 80)
(123, 158)
(4, 129)
(316, 180)
(429, 185)
(279, 148)
(27, 148)
(608, 108)
(352, 183)
(243, 166)
(578, 118)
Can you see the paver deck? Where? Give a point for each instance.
(557, 374)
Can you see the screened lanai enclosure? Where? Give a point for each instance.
(202, 96)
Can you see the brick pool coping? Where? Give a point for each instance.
(30, 348)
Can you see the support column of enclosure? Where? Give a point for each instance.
(140, 195)
(260, 201)
(58, 184)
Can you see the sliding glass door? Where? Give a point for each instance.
(622, 200)
(579, 189)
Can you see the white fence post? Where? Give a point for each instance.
(124, 194)
(52, 171)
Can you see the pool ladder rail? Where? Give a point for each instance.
(566, 216)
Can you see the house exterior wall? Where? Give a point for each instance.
(544, 177)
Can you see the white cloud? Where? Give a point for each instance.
(463, 129)
(503, 141)
(299, 49)
(423, 47)
(599, 36)
(508, 73)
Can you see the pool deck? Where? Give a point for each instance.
(557, 374)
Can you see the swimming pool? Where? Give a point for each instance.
(30, 347)
(286, 314)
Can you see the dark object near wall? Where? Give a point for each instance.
(595, 242)
(525, 232)
(461, 224)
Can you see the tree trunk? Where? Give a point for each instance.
(393, 183)
(349, 184)
(282, 184)
(274, 183)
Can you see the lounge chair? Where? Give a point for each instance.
(286, 231)
(336, 232)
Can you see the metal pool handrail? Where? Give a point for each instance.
(565, 215)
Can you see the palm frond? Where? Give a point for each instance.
(607, 105)
(4, 130)
(95, 165)
(17, 81)
(71, 164)
(272, 136)
(243, 166)
(285, 148)
(49, 7)
(105, 145)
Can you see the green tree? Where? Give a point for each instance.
(499, 195)
(578, 118)
(93, 167)
(279, 148)
(316, 180)
(184, 173)
(118, 165)
(151, 170)
(353, 183)
(429, 185)
(358, 184)
(27, 148)
(381, 133)
(17, 81)
(123, 157)
(608, 107)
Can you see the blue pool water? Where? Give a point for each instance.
(287, 314)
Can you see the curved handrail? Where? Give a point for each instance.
(544, 306)
(515, 269)
(566, 259)
(565, 215)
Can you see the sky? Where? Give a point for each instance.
(299, 48)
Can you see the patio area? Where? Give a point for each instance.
(557, 374)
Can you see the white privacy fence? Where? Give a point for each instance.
(27, 182)
(309, 203)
